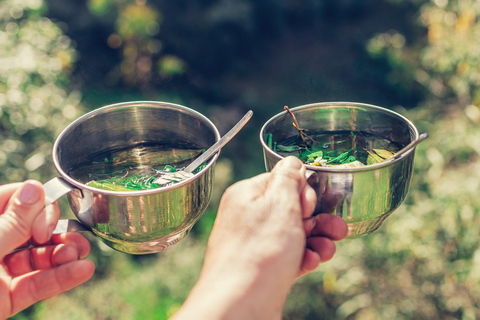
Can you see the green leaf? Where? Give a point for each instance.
(310, 155)
(383, 153)
(169, 169)
(341, 158)
(287, 148)
(373, 158)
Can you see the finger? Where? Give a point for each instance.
(310, 262)
(73, 239)
(289, 170)
(330, 199)
(256, 186)
(28, 260)
(6, 191)
(286, 184)
(17, 219)
(308, 199)
(46, 220)
(326, 225)
(324, 247)
(39, 285)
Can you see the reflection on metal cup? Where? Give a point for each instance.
(363, 196)
(135, 222)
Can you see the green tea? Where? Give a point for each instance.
(339, 149)
(134, 168)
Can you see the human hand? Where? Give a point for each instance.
(50, 265)
(262, 239)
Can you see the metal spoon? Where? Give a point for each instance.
(408, 147)
(187, 172)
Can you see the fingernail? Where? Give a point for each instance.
(30, 194)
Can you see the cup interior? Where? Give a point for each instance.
(341, 116)
(127, 124)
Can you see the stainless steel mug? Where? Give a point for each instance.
(135, 222)
(363, 196)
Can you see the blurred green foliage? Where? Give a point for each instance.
(418, 57)
(36, 59)
(443, 59)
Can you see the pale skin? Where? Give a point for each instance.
(263, 239)
(48, 265)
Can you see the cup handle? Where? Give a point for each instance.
(308, 173)
(69, 225)
(54, 189)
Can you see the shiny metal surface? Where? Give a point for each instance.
(54, 189)
(408, 147)
(187, 171)
(220, 143)
(69, 225)
(363, 196)
(137, 222)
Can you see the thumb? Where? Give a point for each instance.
(291, 171)
(20, 212)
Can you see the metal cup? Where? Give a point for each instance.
(135, 222)
(363, 196)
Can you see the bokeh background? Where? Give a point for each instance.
(62, 58)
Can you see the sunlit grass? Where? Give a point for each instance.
(147, 287)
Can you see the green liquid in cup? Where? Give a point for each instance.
(339, 149)
(134, 168)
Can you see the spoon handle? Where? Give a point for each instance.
(219, 144)
(409, 146)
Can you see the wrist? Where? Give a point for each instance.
(235, 294)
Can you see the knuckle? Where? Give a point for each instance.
(34, 289)
(288, 174)
(41, 287)
(15, 224)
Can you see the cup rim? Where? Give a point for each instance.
(154, 104)
(334, 105)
